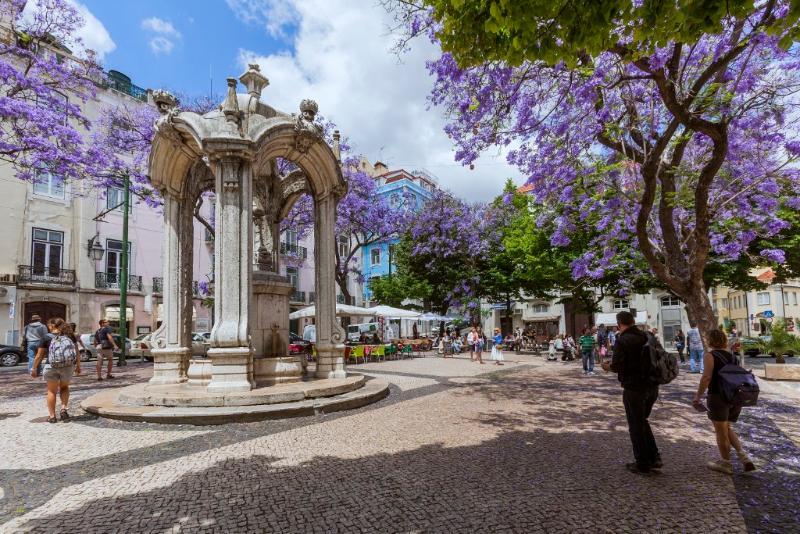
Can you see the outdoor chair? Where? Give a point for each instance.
(358, 352)
(379, 351)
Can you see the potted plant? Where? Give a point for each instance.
(779, 342)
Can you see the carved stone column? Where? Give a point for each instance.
(330, 336)
(230, 350)
(171, 350)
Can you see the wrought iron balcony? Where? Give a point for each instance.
(196, 289)
(340, 298)
(158, 284)
(104, 280)
(295, 249)
(298, 296)
(312, 297)
(37, 275)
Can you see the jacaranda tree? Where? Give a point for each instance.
(42, 88)
(679, 148)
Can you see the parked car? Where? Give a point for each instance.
(298, 345)
(200, 344)
(11, 356)
(140, 347)
(91, 350)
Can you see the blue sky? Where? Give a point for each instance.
(201, 34)
(337, 52)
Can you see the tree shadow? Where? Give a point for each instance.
(519, 481)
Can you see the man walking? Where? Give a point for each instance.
(587, 341)
(105, 348)
(638, 394)
(695, 349)
(33, 335)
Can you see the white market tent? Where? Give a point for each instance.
(610, 319)
(341, 310)
(430, 316)
(395, 313)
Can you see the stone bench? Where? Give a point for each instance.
(781, 371)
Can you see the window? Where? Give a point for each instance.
(394, 200)
(392, 254)
(540, 308)
(46, 252)
(621, 304)
(344, 246)
(47, 185)
(291, 238)
(114, 261)
(670, 301)
(763, 298)
(291, 272)
(375, 256)
(794, 298)
(725, 303)
(114, 198)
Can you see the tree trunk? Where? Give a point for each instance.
(699, 310)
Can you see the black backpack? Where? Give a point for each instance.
(737, 385)
(663, 366)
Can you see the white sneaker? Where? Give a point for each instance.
(747, 463)
(721, 466)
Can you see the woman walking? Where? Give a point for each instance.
(680, 344)
(497, 353)
(720, 412)
(480, 343)
(60, 356)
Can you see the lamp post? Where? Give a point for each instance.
(123, 277)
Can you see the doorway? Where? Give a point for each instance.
(45, 310)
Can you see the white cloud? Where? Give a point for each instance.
(92, 35)
(161, 45)
(274, 15)
(157, 25)
(165, 35)
(341, 58)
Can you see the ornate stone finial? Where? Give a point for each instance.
(308, 109)
(253, 80)
(165, 101)
(230, 107)
(336, 149)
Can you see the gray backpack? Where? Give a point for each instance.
(62, 352)
(663, 365)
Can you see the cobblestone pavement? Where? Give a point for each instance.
(457, 447)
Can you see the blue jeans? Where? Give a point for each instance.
(696, 355)
(587, 356)
(32, 347)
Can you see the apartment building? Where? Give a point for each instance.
(60, 259)
(752, 312)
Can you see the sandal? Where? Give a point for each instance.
(99, 377)
(110, 377)
(52, 419)
(64, 415)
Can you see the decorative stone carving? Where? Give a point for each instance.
(307, 132)
(165, 101)
(254, 80)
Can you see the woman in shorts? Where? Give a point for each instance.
(57, 378)
(721, 413)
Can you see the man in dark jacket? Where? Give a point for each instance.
(639, 393)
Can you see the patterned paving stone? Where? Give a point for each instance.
(457, 447)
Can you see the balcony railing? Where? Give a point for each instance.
(312, 297)
(111, 281)
(45, 276)
(340, 298)
(292, 248)
(298, 296)
(158, 284)
(196, 289)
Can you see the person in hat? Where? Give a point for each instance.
(32, 337)
(497, 353)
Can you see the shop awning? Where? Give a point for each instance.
(112, 313)
(542, 319)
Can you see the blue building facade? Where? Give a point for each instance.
(398, 187)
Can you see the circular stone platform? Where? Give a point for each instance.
(173, 404)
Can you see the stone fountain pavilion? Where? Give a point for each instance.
(257, 161)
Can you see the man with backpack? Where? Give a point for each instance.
(730, 387)
(632, 363)
(106, 346)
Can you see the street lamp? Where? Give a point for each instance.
(95, 249)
